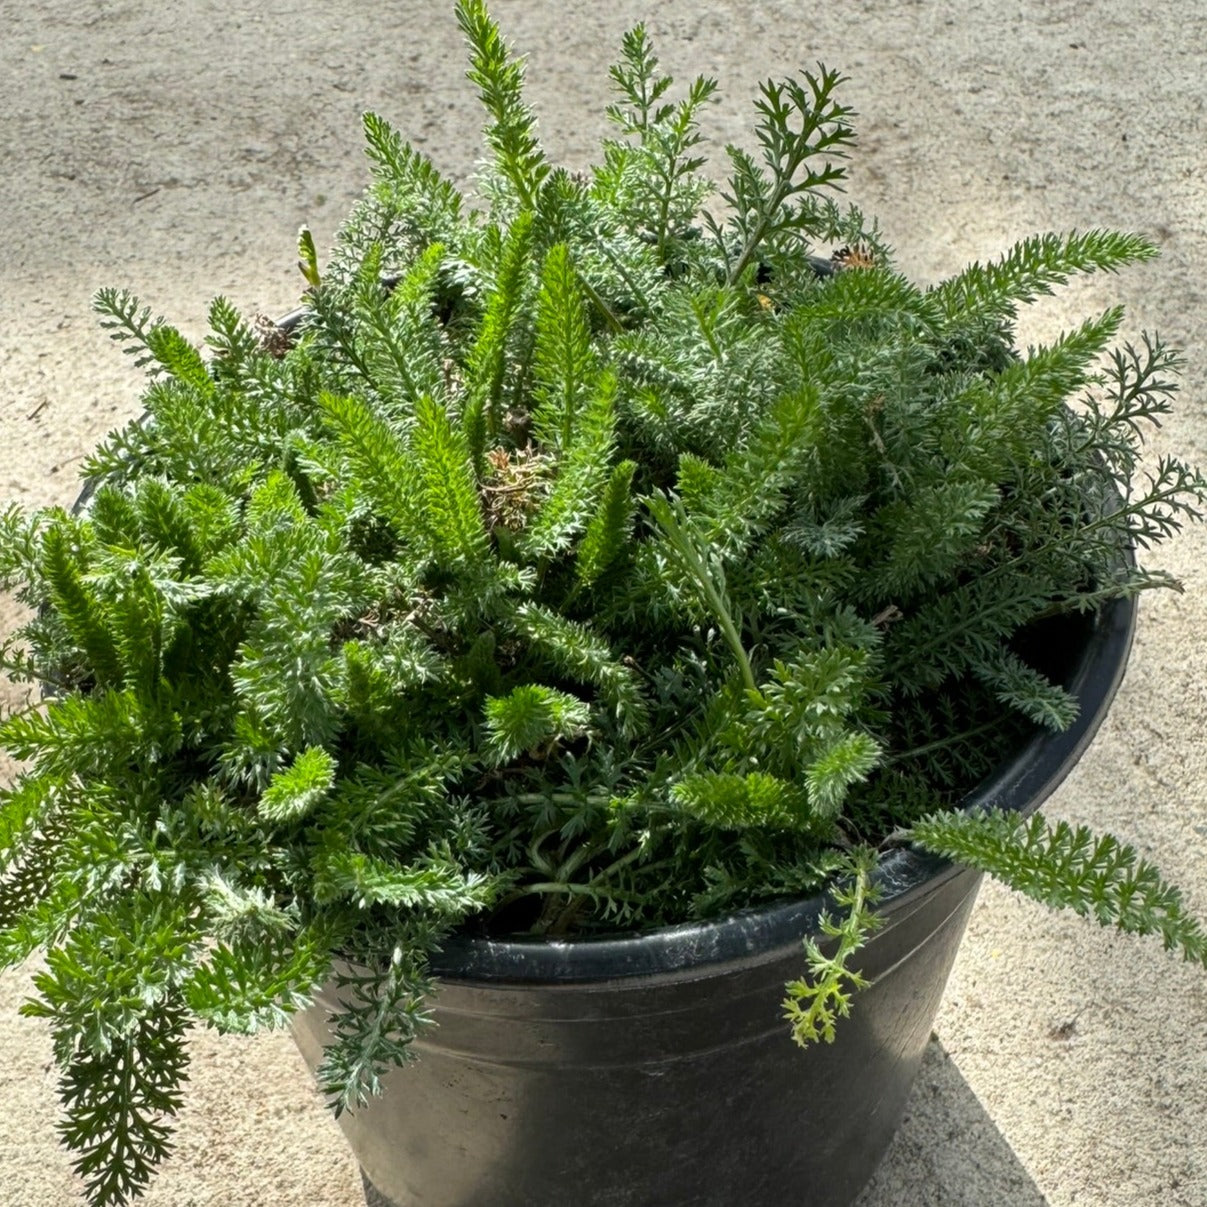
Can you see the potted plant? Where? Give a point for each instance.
(617, 602)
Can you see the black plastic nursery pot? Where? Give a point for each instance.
(655, 1070)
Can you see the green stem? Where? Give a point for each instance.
(697, 567)
(782, 190)
(940, 743)
(604, 309)
(601, 245)
(707, 331)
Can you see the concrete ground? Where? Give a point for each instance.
(175, 149)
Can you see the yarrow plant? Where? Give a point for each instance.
(600, 553)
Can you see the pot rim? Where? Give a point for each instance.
(904, 875)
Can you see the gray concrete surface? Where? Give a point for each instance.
(176, 149)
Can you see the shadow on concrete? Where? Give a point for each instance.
(948, 1152)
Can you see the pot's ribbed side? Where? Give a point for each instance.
(655, 1069)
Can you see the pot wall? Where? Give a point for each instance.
(683, 1090)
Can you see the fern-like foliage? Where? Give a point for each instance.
(800, 121)
(1033, 266)
(383, 1009)
(519, 166)
(815, 1003)
(654, 179)
(1067, 867)
(585, 557)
